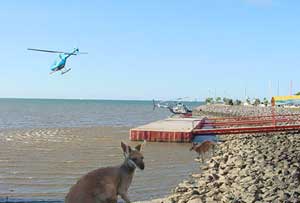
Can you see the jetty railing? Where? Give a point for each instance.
(248, 124)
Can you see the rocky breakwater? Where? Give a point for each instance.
(227, 110)
(246, 168)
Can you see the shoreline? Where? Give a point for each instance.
(245, 168)
(226, 110)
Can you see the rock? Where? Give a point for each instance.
(197, 200)
(252, 189)
(256, 168)
(181, 189)
(247, 179)
(210, 200)
(182, 201)
(270, 198)
(224, 171)
(296, 194)
(210, 193)
(284, 196)
(215, 162)
(196, 176)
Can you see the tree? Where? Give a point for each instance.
(266, 102)
(209, 100)
(230, 102)
(248, 100)
(298, 93)
(256, 102)
(238, 102)
(218, 99)
(225, 100)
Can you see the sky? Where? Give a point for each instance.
(151, 49)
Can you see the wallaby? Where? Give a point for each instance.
(202, 148)
(103, 185)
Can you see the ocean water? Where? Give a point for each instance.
(47, 145)
(49, 113)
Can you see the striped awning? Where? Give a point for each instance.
(285, 100)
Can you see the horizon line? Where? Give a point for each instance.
(88, 99)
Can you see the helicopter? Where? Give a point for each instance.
(175, 107)
(59, 64)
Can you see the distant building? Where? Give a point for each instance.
(293, 100)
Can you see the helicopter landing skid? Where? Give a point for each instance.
(63, 72)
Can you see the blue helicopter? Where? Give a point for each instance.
(59, 64)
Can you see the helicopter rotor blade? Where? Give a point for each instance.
(76, 53)
(56, 52)
(182, 98)
(44, 50)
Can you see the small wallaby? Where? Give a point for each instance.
(202, 148)
(103, 185)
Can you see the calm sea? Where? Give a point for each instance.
(42, 155)
(49, 113)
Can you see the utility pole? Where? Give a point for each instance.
(291, 87)
(215, 93)
(278, 88)
(270, 88)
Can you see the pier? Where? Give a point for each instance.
(168, 130)
(187, 129)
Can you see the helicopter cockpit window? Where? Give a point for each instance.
(56, 61)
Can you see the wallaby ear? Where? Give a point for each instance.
(129, 149)
(124, 147)
(138, 147)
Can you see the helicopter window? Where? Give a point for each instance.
(56, 61)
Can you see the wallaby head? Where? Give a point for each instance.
(205, 145)
(133, 157)
(193, 146)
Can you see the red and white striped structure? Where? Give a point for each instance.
(185, 129)
(168, 130)
(251, 124)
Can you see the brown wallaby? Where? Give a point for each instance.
(103, 185)
(202, 148)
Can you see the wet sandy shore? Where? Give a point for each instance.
(44, 163)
